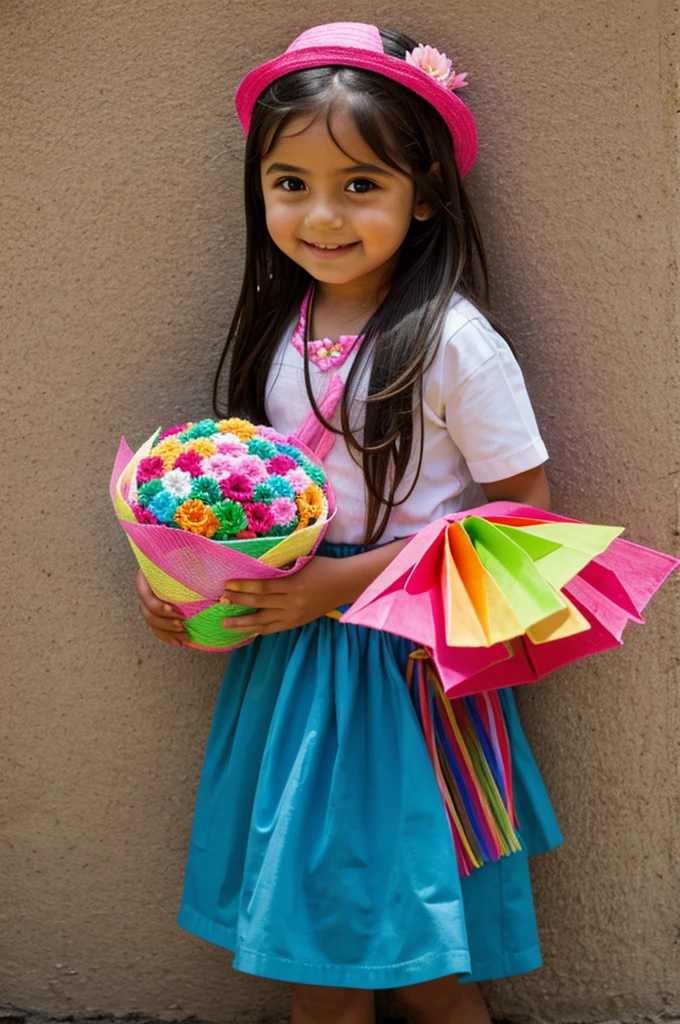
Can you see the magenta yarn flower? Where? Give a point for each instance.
(190, 462)
(280, 464)
(150, 468)
(143, 515)
(298, 479)
(260, 516)
(283, 510)
(252, 467)
(237, 487)
(173, 430)
(219, 466)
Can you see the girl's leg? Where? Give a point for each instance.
(443, 1001)
(321, 1004)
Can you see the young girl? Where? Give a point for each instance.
(321, 852)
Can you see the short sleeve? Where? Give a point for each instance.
(487, 409)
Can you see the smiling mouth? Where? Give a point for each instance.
(326, 247)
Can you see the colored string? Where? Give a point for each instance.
(467, 742)
(468, 746)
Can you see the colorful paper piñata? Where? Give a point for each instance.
(496, 596)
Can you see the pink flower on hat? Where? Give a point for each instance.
(437, 65)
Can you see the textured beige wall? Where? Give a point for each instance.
(121, 248)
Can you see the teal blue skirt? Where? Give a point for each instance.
(321, 852)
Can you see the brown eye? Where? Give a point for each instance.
(361, 185)
(290, 184)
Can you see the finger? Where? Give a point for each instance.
(268, 586)
(273, 627)
(167, 638)
(149, 600)
(162, 622)
(252, 600)
(257, 622)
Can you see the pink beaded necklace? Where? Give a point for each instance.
(324, 353)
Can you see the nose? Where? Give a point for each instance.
(323, 215)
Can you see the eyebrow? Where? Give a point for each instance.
(355, 168)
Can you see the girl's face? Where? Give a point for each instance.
(342, 218)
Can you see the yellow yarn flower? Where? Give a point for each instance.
(168, 450)
(242, 428)
(311, 503)
(194, 516)
(201, 445)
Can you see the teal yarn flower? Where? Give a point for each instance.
(288, 449)
(283, 531)
(264, 449)
(314, 472)
(164, 506)
(265, 493)
(232, 519)
(281, 487)
(146, 492)
(206, 428)
(206, 490)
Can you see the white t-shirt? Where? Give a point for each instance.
(479, 425)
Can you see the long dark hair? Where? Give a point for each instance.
(439, 256)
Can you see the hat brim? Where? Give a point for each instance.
(457, 116)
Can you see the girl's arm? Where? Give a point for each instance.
(320, 586)
(324, 583)
(529, 488)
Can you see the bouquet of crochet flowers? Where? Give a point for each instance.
(202, 503)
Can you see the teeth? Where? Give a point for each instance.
(318, 245)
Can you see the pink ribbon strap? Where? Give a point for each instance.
(312, 432)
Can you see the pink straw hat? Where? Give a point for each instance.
(425, 71)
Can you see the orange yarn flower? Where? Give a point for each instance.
(303, 523)
(243, 430)
(201, 445)
(168, 450)
(194, 516)
(311, 503)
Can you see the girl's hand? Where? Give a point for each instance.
(161, 618)
(321, 585)
(289, 600)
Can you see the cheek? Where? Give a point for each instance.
(281, 220)
(387, 228)
(388, 222)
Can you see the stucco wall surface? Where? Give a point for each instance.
(121, 248)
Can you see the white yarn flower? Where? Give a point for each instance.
(178, 483)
